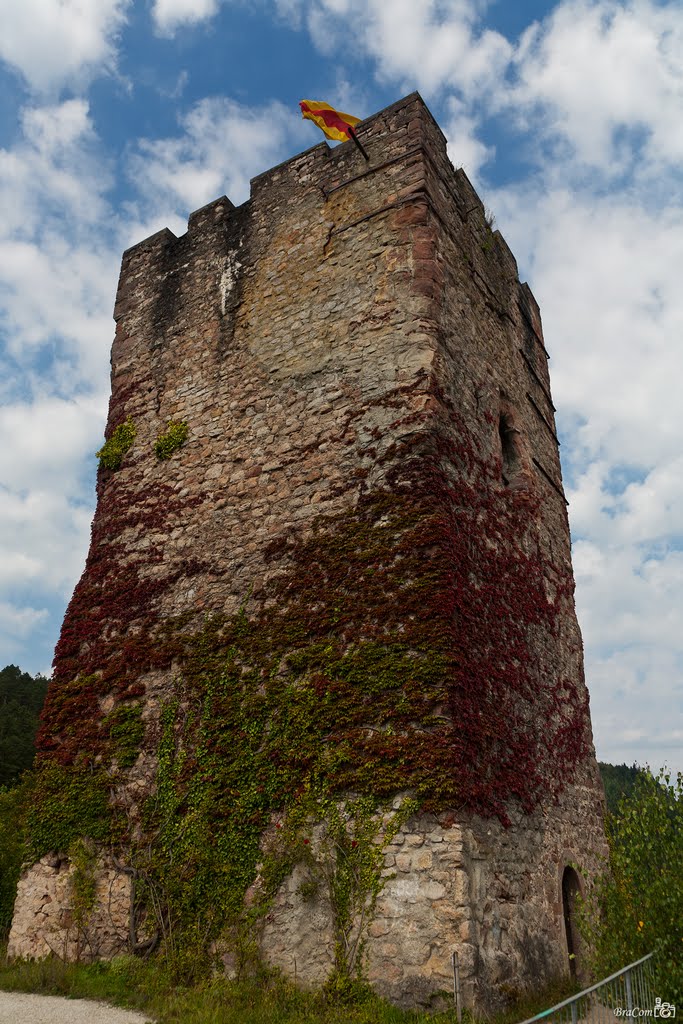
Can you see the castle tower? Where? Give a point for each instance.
(321, 682)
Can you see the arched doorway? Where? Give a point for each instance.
(570, 890)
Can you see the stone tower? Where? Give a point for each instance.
(326, 622)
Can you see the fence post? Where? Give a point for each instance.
(629, 991)
(456, 987)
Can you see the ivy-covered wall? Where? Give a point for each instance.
(327, 608)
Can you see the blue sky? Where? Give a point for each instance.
(119, 117)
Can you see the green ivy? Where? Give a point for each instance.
(363, 673)
(175, 436)
(112, 451)
(83, 859)
(206, 822)
(126, 732)
(66, 804)
(348, 858)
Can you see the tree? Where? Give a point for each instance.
(11, 850)
(636, 907)
(21, 700)
(619, 781)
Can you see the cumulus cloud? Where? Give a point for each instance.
(221, 145)
(60, 246)
(54, 170)
(23, 629)
(465, 148)
(20, 620)
(58, 256)
(169, 15)
(52, 43)
(51, 438)
(591, 95)
(423, 43)
(607, 78)
(604, 268)
(636, 696)
(606, 272)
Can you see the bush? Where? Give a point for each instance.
(636, 907)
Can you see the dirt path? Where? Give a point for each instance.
(20, 1008)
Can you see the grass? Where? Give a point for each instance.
(147, 987)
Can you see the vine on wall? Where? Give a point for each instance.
(347, 856)
(400, 649)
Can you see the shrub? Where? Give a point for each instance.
(636, 907)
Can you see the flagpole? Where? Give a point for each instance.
(358, 143)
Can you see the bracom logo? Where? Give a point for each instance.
(665, 1011)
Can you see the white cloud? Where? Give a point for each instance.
(47, 458)
(54, 170)
(290, 11)
(57, 42)
(59, 257)
(49, 440)
(169, 15)
(597, 86)
(594, 70)
(465, 149)
(605, 271)
(601, 79)
(20, 620)
(594, 94)
(636, 695)
(60, 247)
(423, 43)
(222, 145)
(59, 254)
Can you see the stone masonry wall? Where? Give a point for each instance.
(454, 883)
(336, 318)
(50, 921)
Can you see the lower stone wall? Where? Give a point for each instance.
(491, 894)
(452, 884)
(47, 921)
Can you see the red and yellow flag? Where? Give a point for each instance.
(334, 123)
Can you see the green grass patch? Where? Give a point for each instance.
(146, 986)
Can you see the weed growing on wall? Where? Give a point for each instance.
(115, 447)
(174, 437)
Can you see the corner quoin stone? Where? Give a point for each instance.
(304, 337)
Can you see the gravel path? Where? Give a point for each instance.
(20, 1008)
